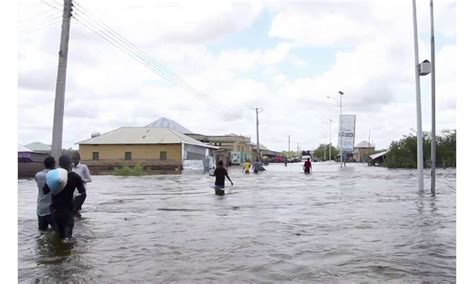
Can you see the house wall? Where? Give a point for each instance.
(363, 153)
(192, 152)
(139, 151)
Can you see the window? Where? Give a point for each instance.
(128, 156)
(95, 155)
(163, 155)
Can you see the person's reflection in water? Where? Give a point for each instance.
(52, 249)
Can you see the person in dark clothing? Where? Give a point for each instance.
(307, 166)
(62, 204)
(220, 173)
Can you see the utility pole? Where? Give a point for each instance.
(330, 146)
(257, 110)
(419, 134)
(287, 155)
(433, 106)
(340, 126)
(369, 142)
(56, 147)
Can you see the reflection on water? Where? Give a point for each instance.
(351, 224)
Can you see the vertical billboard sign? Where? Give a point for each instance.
(347, 132)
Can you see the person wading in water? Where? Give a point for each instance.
(220, 173)
(307, 166)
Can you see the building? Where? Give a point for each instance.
(238, 148)
(377, 159)
(29, 162)
(39, 147)
(362, 151)
(264, 152)
(155, 148)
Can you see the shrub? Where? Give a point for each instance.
(136, 170)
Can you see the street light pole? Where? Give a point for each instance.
(257, 110)
(340, 126)
(418, 105)
(330, 146)
(433, 106)
(288, 154)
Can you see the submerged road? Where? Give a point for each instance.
(351, 224)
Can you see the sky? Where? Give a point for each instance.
(227, 58)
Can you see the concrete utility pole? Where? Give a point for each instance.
(419, 133)
(330, 146)
(56, 147)
(257, 110)
(433, 106)
(369, 142)
(288, 146)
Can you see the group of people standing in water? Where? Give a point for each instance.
(221, 173)
(58, 208)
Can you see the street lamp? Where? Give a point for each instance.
(330, 142)
(340, 122)
(421, 69)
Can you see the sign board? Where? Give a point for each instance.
(347, 132)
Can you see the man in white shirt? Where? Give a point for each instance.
(83, 171)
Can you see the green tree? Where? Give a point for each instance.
(403, 153)
(320, 154)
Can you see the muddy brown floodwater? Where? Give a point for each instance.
(352, 224)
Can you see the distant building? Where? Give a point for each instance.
(238, 147)
(29, 162)
(264, 152)
(39, 147)
(377, 159)
(168, 123)
(158, 147)
(362, 151)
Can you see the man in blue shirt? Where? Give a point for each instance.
(44, 196)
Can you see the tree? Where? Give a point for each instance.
(320, 154)
(403, 153)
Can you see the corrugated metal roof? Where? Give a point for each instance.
(144, 135)
(375, 156)
(38, 146)
(169, 123)
(364, 144)
(22, 148)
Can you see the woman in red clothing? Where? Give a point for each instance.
(307, 166)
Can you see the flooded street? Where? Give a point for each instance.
(351, 224)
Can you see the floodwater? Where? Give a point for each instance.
(357, 223)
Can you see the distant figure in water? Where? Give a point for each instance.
(286, 161)
(220, 173)
(247, 166)
(256, 166)
(307, 166)
(44, 195)
(83, 171)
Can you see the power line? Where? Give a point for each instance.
(101, 29)
(41, 16)
(112, 32)
(39, 26)
(59, 7)
(162, 69)
(122, 48)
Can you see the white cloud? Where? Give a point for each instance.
(372, 44)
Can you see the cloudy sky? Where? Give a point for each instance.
(225, 58)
